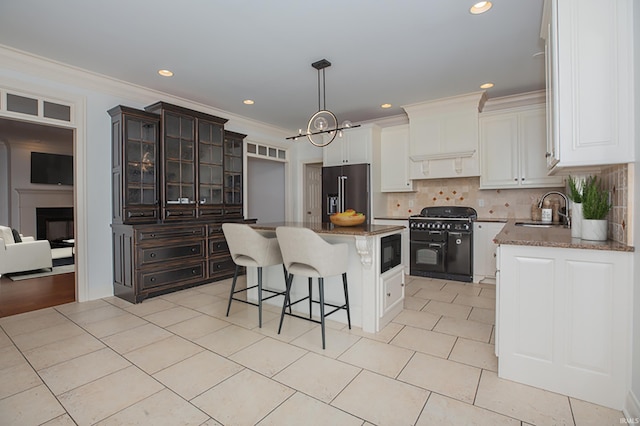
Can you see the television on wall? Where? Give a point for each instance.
(51, 169)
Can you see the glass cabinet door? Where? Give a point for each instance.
(140, 162)
(232, 171)
(179, 145)
(210, 151)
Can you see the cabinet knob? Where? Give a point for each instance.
(547, 154)
(193, 249)
(152, 255)
(388, 294)
(516, 179)
(153, 279)
(193, 271)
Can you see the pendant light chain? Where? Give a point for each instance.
(324, 121)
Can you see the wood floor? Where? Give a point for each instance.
(17, 297)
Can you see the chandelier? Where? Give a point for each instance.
(323, 122)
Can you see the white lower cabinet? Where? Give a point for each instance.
(484, 249)
(564, 321)
(392, 300)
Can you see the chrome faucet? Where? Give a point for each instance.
(565, 215)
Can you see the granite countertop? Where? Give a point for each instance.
(552, 237)
(365, 230)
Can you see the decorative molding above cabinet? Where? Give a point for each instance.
(443, 137)
(589, 61)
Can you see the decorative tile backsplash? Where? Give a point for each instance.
(508, 203)
(615, 179)
(489, 203)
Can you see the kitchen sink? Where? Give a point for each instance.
(541, 225)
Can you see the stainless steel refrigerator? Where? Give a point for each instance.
(346, 187)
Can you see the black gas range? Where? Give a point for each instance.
(441, 242)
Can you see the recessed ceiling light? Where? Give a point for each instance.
(486, 86)
(480, 7)
(165, 73)
(248, 102)
(385, 106)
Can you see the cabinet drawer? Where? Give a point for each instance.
(174, 276)
(218, 247)
(144, 235)
(140, 215)
(148, 255)
(232, 212)
(221, 267)
(179, 213)
(210, 212)
(215, 229)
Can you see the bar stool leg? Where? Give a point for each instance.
(346, 298)
(260, 296)
(286, 274)
(233, 288)
(310, 299)
(286, 300)
(321, 291)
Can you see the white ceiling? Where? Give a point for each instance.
(223, 52)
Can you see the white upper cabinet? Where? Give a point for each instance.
(513, 147)
(394, 159)
(443, 137)
(354, 147)
(589, 81)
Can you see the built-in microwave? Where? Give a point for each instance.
(390, 252)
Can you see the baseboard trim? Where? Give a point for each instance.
(631, 408)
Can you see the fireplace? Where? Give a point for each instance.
(54, 224)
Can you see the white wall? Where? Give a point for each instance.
(4, 185)
(266, 190)
(633, 405)
(302, 153)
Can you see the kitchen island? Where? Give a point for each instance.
(564, 313)
(374, 297)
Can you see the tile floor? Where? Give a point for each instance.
(176, 359)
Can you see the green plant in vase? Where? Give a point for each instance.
(595, 200)
(595, 206)
(575, 190)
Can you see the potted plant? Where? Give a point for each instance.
(595, 206)
(575, 195)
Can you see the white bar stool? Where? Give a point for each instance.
(250, 249)
(305, 253)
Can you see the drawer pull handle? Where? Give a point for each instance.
(153, 279)
(193, 249)
(194, 271)
(152, 235)
(152, 255)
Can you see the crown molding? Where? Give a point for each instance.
(51, 70)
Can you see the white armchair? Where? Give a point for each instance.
(28, 255)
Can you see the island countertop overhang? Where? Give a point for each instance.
(364, 230)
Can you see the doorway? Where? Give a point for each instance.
(20, 201)
(312, 193)
(265, 190)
